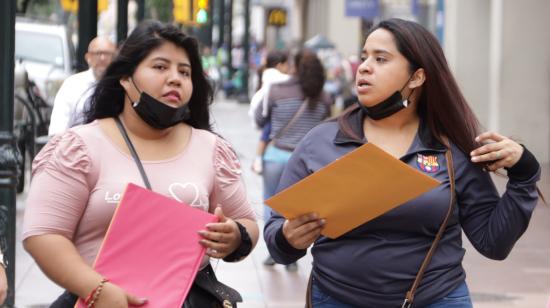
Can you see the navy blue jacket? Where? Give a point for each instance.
(375, 264)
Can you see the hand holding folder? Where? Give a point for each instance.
(352, 190)
(152, 248)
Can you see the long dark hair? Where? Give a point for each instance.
(310, 73)
(441, 104)
(108, 97)
(272, 60)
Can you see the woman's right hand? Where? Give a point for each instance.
(302, 231)
(112, 296)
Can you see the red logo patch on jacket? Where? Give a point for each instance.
(427, 163)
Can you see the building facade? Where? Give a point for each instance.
(499, 51)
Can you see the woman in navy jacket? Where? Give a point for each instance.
(410, 106)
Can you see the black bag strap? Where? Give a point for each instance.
(309, 303)
(133, 152)
(409, 297)
(207, 280)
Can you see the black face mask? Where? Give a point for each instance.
(387, 107)
(156, 113)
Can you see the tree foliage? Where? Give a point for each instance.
(159, 9)
(36, 8)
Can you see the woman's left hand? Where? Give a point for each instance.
(221, 238)
(498, 151)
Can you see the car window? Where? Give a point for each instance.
(39, 47)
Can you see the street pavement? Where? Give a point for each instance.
(522, 280)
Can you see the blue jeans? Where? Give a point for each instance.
(458, 298)
(271, 173)
(274, 162)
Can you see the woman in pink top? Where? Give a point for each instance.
(157, 88)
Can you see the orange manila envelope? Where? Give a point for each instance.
(353, 189)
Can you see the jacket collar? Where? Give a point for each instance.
(423, 141)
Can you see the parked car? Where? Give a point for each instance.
(46, 52)
(44, 58)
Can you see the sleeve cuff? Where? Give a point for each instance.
(526, 167)
(284, 245)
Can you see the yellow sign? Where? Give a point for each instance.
(202, 4)
(69, 5)
(182, 11)
(72, 5)
(276, 17)
(102, 5)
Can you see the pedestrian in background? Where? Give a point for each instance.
(156, 93)
(410, 106)
(293, 108)
(76, 90)
(274, 70)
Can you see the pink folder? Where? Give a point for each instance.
(152, 248)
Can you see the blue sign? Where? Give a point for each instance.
(367, 9)
(440, 21)
(414, 7)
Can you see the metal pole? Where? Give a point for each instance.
(8, 150)
(87, 30)
(204, 32)
(229, 34)
(210, 24)
(122, 21)
(246, 47)
(221, 22)
(141, 10)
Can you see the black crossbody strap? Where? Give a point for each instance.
(409, 297)
(133, 152)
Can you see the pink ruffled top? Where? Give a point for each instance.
(79, 177)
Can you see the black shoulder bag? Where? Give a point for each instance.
(206, 291)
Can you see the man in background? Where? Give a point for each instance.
(77, 89)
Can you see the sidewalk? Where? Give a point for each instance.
(522, 280)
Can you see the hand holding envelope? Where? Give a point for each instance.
(352, 190)
(303, 230)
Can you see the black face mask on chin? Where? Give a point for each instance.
(156, 113)
(387, 107)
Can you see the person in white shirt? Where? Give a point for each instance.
(275, 70)
(75, 90)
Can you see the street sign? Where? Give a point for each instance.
(72, 5)
(69, 5)
(276, 17)
(367, 9)
(182, 11)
